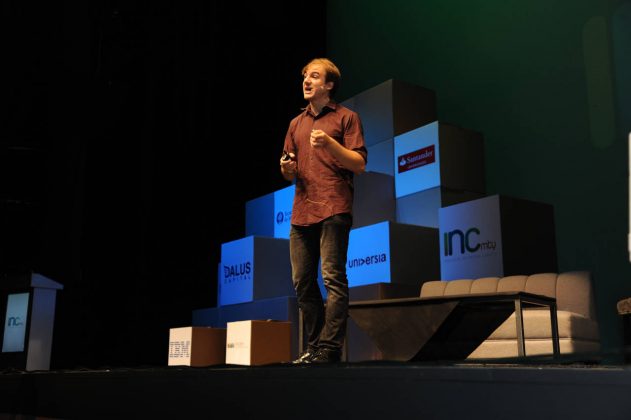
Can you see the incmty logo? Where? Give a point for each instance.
(467, 242)
(14, 321)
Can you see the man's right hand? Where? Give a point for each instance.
(288, 165)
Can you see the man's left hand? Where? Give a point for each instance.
(319, 138)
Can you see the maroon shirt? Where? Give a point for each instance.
(323, 187)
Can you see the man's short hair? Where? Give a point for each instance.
(332, 72)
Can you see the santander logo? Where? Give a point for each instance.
(417, 158)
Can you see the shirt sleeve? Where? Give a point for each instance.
(290, 146)
(354, 135)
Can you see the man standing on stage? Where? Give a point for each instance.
(324, 147)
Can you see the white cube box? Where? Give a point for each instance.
(270, 214)
(421, 208)
(197, 346)
(392, 108)
(381, 158)
(280, 308)
(252, 268)
(258, 342)
(390, 252)
(374, 199)
(497, 236)
(438, 155)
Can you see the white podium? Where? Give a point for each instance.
(29, 307)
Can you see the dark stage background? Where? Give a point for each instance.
(119, 137)
(546, 83)
(127, 125)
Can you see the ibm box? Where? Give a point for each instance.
(256, 342)
(197, 346)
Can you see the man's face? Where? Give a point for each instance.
(314, 86)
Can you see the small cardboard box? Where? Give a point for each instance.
(256, 342)
(197, 346)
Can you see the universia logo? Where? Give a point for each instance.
(368, 260)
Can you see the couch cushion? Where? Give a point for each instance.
(534, 347)
(575, 294)
(542, 284)
(572, 290)
(512, 284)
(458, 287)
(485, 285)
(576, 313)
(537, 325)
(433, 288)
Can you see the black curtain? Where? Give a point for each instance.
(136, 132)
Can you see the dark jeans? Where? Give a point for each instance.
(324, 327)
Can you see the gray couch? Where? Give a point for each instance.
(578, 326)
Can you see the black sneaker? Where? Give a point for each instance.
(305, 357)
(327, 356)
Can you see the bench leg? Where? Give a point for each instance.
(554, 324)
(519, 321)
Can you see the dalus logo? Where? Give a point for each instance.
(467, 243)
(237, 272)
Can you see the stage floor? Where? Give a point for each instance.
(345, 391)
